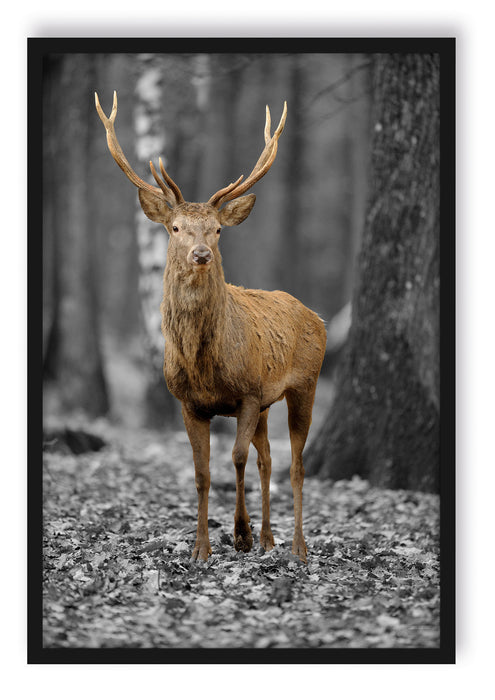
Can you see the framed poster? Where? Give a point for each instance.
(348, 221)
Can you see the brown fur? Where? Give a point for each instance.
(234, 351)
(228, 350)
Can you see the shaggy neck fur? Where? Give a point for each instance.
(193, 309)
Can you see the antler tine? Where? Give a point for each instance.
(218, 195)
(175, 189)
(113, 113)
(281, 123)
(268, 152)
(169, 195)
(268, 124)
(119, 157)
(107, 121)
(264, 163)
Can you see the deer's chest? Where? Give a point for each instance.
(208, 387)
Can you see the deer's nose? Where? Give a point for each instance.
(202, 255)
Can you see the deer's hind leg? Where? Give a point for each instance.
(260, 441)
(300, 405)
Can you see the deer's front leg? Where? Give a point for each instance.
(247, 420)
(199, 436)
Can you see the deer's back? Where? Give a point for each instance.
(281, 340)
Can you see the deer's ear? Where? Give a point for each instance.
(236, 211)
(154, 206)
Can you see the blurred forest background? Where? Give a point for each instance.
(204, 114)
(347, 220)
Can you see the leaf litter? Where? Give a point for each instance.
(119, 528)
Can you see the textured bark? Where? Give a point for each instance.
(355, 145)
(384, 423)
(73, 354)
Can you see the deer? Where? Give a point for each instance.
(229, 351)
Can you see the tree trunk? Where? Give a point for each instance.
(291, 273)
(221, 135)
(73, 354)
(384, 423)
(355, 144)
(152, 240)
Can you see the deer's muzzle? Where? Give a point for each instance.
(200, 255)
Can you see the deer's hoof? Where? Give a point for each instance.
(243, 539)
(299, 548)
(201, 551)
(266, 540)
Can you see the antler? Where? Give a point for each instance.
(263, 165)
(172, 193)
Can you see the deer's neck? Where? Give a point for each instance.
(193, 310)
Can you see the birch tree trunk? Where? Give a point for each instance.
(152, 240)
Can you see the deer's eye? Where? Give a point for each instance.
(175, 228)
(218, 230)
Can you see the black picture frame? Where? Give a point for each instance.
(37, 48)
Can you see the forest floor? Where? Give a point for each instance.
(119, 528)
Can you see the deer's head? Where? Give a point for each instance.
(194, 229)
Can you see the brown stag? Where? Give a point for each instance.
(229, 351)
